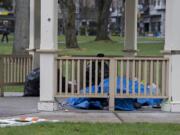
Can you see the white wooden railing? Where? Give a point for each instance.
(13, 70)
(117, 77)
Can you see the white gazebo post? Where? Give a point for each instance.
(48, 54)
(130, 45)
(34, 35)
(172, 50)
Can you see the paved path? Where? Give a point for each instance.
(13, 106)
(20, 106)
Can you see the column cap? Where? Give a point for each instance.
(47, 51)
(31, 49)
(130, 50)
(171, 52)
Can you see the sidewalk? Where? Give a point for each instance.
(19, 106)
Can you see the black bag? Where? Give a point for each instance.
(32, 83)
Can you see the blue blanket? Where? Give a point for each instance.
(120, 104)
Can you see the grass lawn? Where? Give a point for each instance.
(6, 48)
(147, 46)
(93, 129)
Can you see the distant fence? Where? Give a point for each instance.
(118, 77)
(13, 70)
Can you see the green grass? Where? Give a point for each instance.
(6, 48)
(110, 48)
(14, 88)
(93, 129)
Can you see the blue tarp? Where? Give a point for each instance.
(120, 104)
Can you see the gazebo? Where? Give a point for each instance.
(43, 42)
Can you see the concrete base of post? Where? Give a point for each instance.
(48, 106)
(171, 107)
(1, 92)
(112, 104)
(130, 53)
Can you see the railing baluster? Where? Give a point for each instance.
(90, 77)
(60, 76)
(121, 78)
(9, 70)
(12, 69)
(167, 78)
(133, 78)
(102, 77)
(163, 78)
(157, 78)
(78, 76)
(24, 67)
(22, 70)
(19, 68)
(67, 76)
(73, 80)
(139, 78)
(96, 77)
(84, 77)
(127, 77)
(145, 78)
(6, 69)
(27, 66)
(1, 76)
(151, 78)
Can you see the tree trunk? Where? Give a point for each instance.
(122, 25)
(21, 40)
(70, 19)
(103, 7)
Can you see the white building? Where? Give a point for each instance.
(152, 20)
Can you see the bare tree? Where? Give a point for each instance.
(103, 7)
(21, 41)
(122, 24)
(69, 13)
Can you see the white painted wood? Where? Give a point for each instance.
(48, 74)
(122, 76)
(112, 83)
(49, 10)
(34, 35)
(172, 39)
(102, 77)
(66, 76)
(73, 77)
(131, 8)
(48, 63)
(32, 24)
(84, 76)
(172, 43)
(96, 76)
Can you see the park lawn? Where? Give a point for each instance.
(91, 48)
(14, 88)
(111, 48)
(6, 48)
(93, 129)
